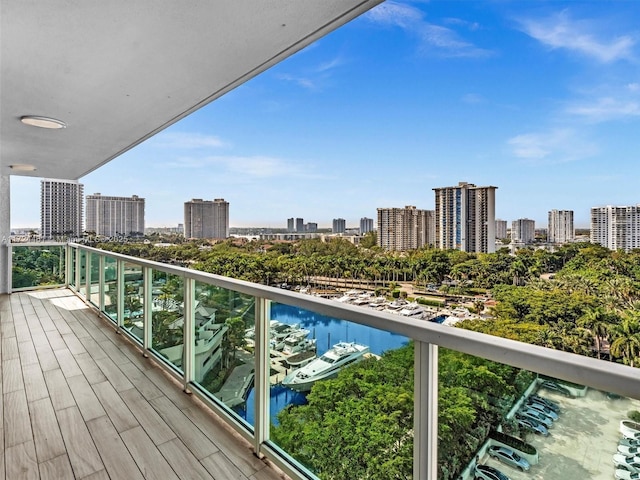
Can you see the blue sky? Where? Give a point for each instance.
(541, 99)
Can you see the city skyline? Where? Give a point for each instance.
(541, 99)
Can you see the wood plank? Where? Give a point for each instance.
(116, 409)
(59, 392)
(27, 352)
(17, 428)
(12, 376)
(82, 452)
(101, 475)
(55, 340)
(58, 468)
(113, 352)
(153, 424)
(34, 384)
(68, 364)
(7, 329)
(46, 432)
(73, 344)
(90, 368)
(149, 459)
(118, 379)
(145, 386)
(183, 462)
(89, 405)
(94, 349)
(47, 358)
(20, 462)
(10, 348)
(117, 459)
(221, 468)
(184, 428)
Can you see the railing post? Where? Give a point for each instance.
(425, 411)
(101, 275)
(262, 358)
(76, 280)
(147, 310)
(120, 289)
(189, 332)
(87, 276)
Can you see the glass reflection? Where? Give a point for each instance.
(167, 317)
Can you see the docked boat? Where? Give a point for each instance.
(301, 359)
(327, 366)
(298, 342)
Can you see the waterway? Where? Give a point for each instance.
(327, 331)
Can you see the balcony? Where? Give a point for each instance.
(100, 368)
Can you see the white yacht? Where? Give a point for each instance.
(298, 342)
(327, 366)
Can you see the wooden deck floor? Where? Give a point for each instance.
(80, 402)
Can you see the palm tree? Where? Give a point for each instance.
(598, 322)
(626, 343)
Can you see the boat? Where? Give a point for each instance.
(327, 366)
(301, 359)
(298, 342)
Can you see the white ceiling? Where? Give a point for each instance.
(117, 72)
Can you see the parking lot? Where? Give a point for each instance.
(582, 441)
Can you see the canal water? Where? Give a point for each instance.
(327, 331)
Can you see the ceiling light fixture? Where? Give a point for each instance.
(22, 167)
(42, 122)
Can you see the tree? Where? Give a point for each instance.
(626, 343)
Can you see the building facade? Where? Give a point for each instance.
(115, 216)
(339, 225)
(501, 228)
(206, 218)
(405, 228)
(311, 227)
(465, 218)
(523, 230)
(61, 204)
(366, 225)
(291, 224)
(561, 229)
(617, 228)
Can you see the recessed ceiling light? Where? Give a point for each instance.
(42, 122)
(22, 167)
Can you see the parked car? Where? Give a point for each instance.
(544, 401)
(536, 415)
(629, 442)
(544, 409)
(629, 451)
(622, 474)
(631, 435)
(533, 425)
(508, 456)
(630, 463)
(485, 472)
(556, 387)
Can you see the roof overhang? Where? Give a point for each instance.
(117, 72)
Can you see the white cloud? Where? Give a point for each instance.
(187, 140)
(305, 82)
(433, 38)
(606, 108)
(633, 87)
(555, 146)
(257, 166)
(473, 98)
(560, 31)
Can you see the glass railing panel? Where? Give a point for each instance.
(133, 317)
(111, 288)
(94, 279)
(341, 396)
(35, 266)
(73, 270)
(224, 349)
(494, 416)
(82, 288)
(167, 317)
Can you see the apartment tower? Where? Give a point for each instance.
(501, 228)
(115, 216)
(523, 230)
(366, 225)
(60, 208)
(561, 228)
(617, 228)
(206, 218)
(405, 228)
(339, 225)
(465, 218)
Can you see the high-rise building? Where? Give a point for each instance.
(366, 225)
(206, 218)
(501, 228)
(465, 218)
(291, 225)
(405, 228)
(299, 225)
(561, 228)
(311, 227)
(339, 225)
(60, 208)
(523, 230)
(617, 228)
(113, 216)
